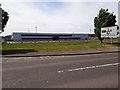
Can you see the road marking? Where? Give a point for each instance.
(60, 71)
(107, 65)
(89, 67)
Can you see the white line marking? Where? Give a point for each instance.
(90, 67)
(60, 71)
(107, 65)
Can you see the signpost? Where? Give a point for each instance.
(109, 32)
(0, 19)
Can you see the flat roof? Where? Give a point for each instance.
(49, 33)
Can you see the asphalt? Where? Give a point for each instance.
(67, 53)
(82, 71)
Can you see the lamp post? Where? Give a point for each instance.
(90, 33)
(36, 29)
(36, 33)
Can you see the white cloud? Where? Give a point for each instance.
(71, 17)
(60, 0)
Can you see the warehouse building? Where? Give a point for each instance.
(18, 36)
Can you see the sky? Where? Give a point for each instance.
(65, 16)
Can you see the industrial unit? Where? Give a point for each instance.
(20, 36)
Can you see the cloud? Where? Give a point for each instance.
(54, 17)
(60, 0)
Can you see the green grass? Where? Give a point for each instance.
(56, 46)
(115, 42)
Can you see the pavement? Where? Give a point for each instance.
(65, 53)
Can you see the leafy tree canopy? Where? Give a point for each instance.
(4, 19)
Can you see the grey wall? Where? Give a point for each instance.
(19, 37)
(81, 36)
(16, 37)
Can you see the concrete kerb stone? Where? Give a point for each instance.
(60, 54)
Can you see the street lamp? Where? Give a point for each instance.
(36, 32)
(90, 33)
(36, 29)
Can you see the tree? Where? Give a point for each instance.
(4, 19)
(103, 19)
(56, 37)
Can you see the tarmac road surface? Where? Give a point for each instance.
(82, 71)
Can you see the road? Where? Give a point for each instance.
(82, 71)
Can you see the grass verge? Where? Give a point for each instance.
(62, 46)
